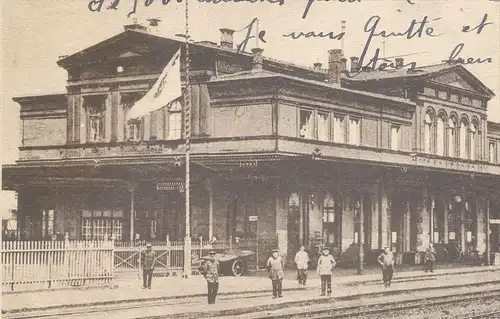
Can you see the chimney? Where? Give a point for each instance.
(354, 64)
(226, 38)
(317, 66)
(399, 62)
(153, 25)
(135, 26)
(335, 62)
(257, 60)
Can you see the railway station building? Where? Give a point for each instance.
(327, 154)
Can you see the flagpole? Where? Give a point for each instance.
(187, 132)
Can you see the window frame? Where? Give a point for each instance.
(328, 129)
(441, 144)
(452, 139)
(100, 217)
(310, 132)
(492, 147)
(429, 119)
(358, 136)
(343, 127)
(397, 147)
(172, 109)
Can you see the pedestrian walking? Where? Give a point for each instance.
(210, 270)
(302, 261)
(148, 259)
(275, 267)
(326, 263)
(430, 258)
(386, 260)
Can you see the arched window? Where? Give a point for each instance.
(441, 133)
(175, 121)
(428, 133)
(463, 138)
(452, 127)
(473, 141)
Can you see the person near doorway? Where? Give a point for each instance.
(430, 258)
(386, 260)
(148, 259)
(275, 267)
(210, 270)
(326, 263)
(301, 261)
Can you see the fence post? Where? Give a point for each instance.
(168, 251)
(112, 262)
(50, 261)
(13, 267)
(231, 242)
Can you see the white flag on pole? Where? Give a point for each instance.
(164, 91)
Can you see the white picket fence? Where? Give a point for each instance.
(50, 264)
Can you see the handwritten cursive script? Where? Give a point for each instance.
(310, 3)
(456, 59)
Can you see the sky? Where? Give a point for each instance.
(34, 34)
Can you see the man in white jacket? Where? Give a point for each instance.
(326, 263)
(301, 261)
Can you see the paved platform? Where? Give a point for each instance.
(177, 288)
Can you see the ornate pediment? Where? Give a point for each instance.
(460, 78)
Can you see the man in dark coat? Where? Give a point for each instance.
(430, 258)
(210, 270)
(386, 260)
(148, 265)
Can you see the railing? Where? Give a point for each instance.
(170, 254)
(49, 264)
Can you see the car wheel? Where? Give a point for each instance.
(237, 267)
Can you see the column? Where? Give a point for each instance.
(347, 220)
(208, 185)
(131, 189)
(384, 227)
(361, 235)
(423, 221)
(407, 224)
(445, 221)
(108, 118)
(431, 219)
(315, 219)
(480, 223)
(488, 244)
(375, 217)
(462, 226)
(281, 221)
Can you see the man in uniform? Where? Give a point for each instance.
(210, 270)
(275, 267)
(148, 265)
(386, 260)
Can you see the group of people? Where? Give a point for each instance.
(326, 263)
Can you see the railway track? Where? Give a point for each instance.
(161, 307)
(369, 311)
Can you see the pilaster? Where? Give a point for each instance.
(281, 221)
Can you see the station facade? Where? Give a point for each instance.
(292, 154)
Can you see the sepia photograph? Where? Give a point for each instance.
(250, 159)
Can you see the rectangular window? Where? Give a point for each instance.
(306, 124)
(492, 152)
(354, 131)
(338, 129)
(175, 126)
(98, 225)
(395, 137)
(323, 126)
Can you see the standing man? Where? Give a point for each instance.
(275, 268)
(430, 258)
(386, 260)
(148, 264)
(301, 261)
(210, 271)
(326, 263)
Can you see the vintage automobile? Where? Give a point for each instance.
(232, 263)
